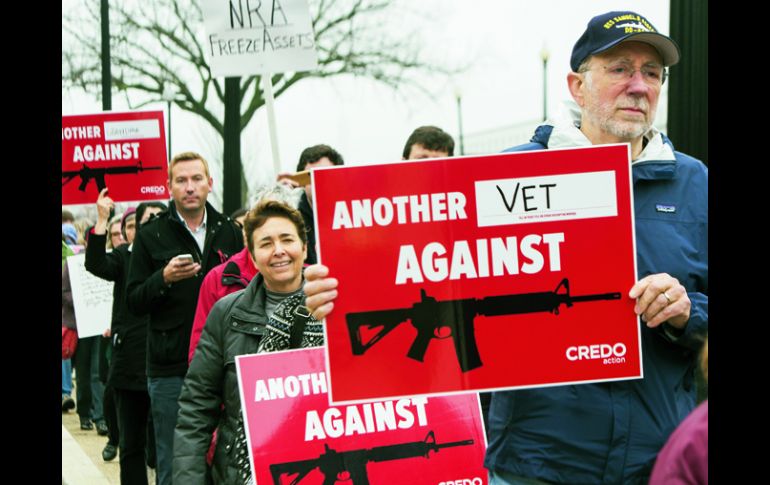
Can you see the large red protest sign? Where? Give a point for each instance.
(125, 152)
(294, 436)
(476, 273)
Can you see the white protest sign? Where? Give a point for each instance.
(247, 37)
(91, 296)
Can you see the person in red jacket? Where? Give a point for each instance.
(229, 277)
(685, 457)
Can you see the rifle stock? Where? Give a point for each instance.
(300, 468)
(387, 319)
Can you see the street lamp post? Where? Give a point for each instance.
(458, 97)
(168, 96)
(544, 55)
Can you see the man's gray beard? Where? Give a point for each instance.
(603, 118)
(624, 130)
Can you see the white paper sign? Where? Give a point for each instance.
(91, 296)
(546, 199)
(131, 130)
(247, 37)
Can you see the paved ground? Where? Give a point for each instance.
(82, 462)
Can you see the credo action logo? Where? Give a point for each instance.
(153, 189)
(463, 481)
(611, 354)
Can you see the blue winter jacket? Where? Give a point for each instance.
(612, 432)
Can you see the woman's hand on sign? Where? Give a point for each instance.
(320, 290)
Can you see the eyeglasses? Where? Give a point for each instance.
(653, 75)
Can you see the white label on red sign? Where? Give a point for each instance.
(131, 130)
(546, 198)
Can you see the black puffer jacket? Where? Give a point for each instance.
(172, 307)
(234, 327)
(128, 368)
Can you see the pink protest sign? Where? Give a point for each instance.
(295, 437)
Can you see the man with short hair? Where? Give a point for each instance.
(310, 158)
(428, 142)
(611, 432)
(166, 287)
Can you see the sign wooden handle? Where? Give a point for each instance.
(302, 178)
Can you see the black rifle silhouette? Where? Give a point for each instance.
(87, 173)
(429, 316)
(351, 465)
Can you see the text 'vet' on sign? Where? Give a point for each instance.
(546, 198)
(246, 37)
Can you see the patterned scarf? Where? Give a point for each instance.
(277, 337)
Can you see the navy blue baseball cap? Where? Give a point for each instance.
(610, 29)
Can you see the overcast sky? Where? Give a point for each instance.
(369, 123)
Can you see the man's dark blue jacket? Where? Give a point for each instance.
(612, 432)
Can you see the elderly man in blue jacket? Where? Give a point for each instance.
(611, 432)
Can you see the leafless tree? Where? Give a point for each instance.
(157, 44)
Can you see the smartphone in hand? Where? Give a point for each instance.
(185, 258)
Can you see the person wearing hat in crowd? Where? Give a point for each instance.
(611, 432)
(69, 233)
(127, 380)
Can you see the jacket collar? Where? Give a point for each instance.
(251, 307)
(214, 219)
(239, 269)
(657, 161)
(212, 216)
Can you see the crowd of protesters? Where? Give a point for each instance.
(129, 380)
(158, 383)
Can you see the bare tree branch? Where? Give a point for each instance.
(157, 44)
